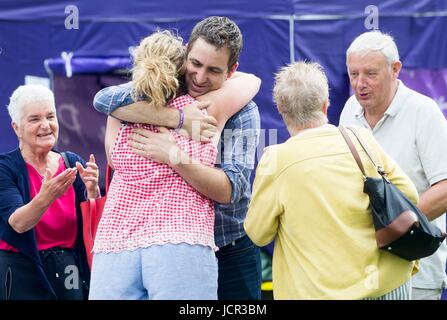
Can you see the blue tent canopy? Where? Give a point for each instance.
(276, 32)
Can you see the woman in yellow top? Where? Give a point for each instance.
(308, 197)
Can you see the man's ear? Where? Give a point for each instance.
(396, 67)
(232, 70)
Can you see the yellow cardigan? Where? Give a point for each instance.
(307, 195)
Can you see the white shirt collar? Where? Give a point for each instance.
(394, 107)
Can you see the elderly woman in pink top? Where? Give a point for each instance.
(42, 254)
(155, 239)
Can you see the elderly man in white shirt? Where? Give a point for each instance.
(411, 129)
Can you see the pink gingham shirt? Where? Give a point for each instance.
(149, 203)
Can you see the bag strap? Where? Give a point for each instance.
(93, 213)
(108, 177)
(353, 149)
(66, 162)
(365, 147)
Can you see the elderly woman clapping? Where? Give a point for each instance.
(42, 254)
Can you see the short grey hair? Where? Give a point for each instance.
(27, 94)
(375, 41)
(301, 89)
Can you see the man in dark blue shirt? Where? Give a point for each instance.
(228, 184)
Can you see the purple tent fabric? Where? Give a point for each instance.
(432, 83)
(82, 130)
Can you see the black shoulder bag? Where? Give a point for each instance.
(401, 228)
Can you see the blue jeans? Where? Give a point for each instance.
(239, 271)
(158, 272)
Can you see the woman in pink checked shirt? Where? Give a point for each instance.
(156, 236)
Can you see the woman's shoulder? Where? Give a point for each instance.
(10, 158)
(12, 165)
(10, 154)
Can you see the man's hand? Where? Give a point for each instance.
(197, 125)
(159, 147)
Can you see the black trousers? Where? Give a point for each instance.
(239, 271)
(19, 280)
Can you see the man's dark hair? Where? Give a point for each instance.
(220, 32)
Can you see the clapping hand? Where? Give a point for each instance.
(90, 176)
(54, 187)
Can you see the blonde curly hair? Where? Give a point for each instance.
(159, 61)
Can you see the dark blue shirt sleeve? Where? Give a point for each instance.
(239, 141)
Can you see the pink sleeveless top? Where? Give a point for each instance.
(58, 225)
